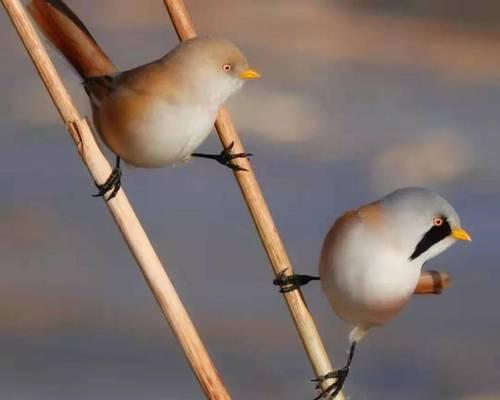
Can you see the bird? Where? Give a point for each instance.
(156, 114)
(371, 261)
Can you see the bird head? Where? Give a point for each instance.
(215, 67)
(423, 223)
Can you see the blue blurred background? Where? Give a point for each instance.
(357, 98)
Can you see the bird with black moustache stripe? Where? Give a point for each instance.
(372, 259)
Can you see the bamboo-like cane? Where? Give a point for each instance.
(432, 282)
(120, 208)
(262, 218)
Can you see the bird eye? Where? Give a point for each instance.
(226, 67)
(437, 221)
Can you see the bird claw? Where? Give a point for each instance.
(334, 389)
(287, 283)
(226, 156)
(337, 374)
(113, 184)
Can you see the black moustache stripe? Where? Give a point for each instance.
(432, 236)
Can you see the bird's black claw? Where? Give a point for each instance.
(337, 374)
(113, 184)
(334, 389)
(226, 157)
(235, 167)
(287, 283)
(340, 375)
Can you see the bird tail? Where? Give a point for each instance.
(70, 36)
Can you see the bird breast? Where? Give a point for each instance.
(155, 133)
(365, 279)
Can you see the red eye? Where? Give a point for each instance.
(437, 221)
(226, 67)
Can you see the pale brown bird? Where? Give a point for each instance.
(156, 114)
(372, 259)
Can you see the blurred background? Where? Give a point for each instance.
(357, 98)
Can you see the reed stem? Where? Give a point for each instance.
(121, 210)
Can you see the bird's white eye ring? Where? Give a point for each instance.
(226, 67)
(437, 221)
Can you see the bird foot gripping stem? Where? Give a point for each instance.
(113, 183)
(225, 157)
(340, 376)
(287, 283)
(334, 389)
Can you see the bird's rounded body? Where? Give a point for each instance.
(366, 284)
(372, 256)
(158, 114)
(162, 134)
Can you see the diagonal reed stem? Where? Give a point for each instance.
(432, 282)
(121, 210)
(262, 218)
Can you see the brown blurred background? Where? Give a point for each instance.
(358, 98)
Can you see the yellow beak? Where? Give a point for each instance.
(249, 74)
(460, 234)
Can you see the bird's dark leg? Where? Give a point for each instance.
(339, 375)
(113, 183)
(287, 283)
(225, 157)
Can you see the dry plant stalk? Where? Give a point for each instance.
(262, 218)
(432, 282)
(120, 209)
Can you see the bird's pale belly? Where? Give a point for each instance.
(163, 135)
(371, 296)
